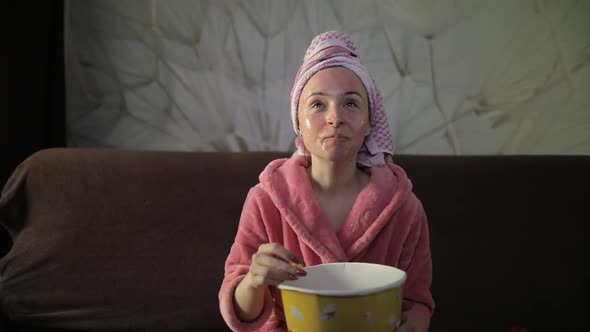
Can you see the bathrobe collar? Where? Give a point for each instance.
(289, 187)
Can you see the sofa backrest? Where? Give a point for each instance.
(137, 240)
(509, 239)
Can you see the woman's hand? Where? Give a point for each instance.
(407, 325)
(271, 265)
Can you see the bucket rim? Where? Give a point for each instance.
(286, 285)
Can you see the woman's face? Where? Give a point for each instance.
(333, 114)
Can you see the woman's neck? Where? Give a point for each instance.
(330, 177)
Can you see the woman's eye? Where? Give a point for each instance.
(350, 104)
(316, 104)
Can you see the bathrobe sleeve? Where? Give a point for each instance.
(250, 235)
(418, 267)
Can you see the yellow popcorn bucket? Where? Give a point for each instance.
(339, 297)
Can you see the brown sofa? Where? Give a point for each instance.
(112, 240)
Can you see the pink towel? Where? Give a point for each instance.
(331, 49)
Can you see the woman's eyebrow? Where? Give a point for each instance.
(347, 93)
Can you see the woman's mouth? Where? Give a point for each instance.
(335, 136)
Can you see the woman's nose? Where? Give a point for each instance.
(334, 115)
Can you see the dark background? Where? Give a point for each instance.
(32, 116)
(33, 96)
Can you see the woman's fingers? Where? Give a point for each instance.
(271, 267)
(277, 250)
(293, 265)
(260, 277)
(273, 264)
(406, 325)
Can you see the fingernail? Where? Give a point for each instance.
(297, 265)
(292, 277)
(301, 272)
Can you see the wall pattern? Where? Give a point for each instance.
(457, 77)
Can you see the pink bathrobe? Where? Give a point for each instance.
(387, 225)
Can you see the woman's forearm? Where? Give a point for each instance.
(248, 300)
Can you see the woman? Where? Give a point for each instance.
(339, 198)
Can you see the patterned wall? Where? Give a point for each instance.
(457, 77)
